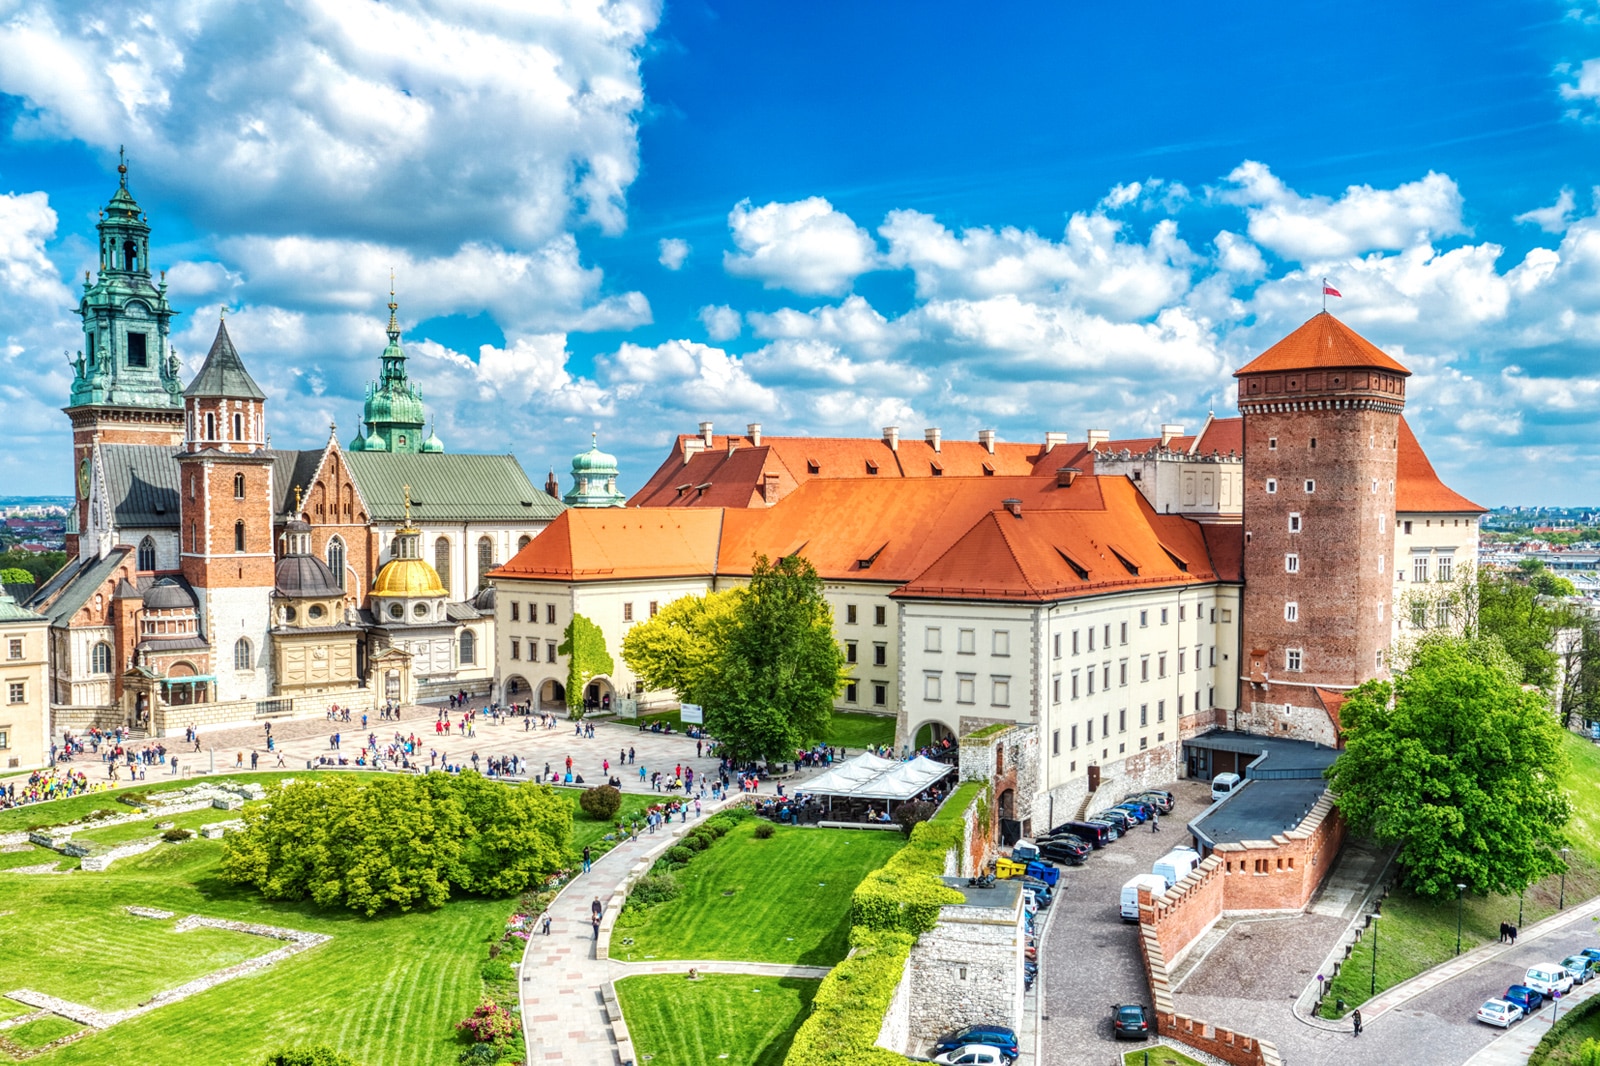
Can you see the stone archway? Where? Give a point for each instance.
(552, 695)
(599, 694)
(515, 689)
(931, 734)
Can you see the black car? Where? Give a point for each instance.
(1130, 1021)
(1158, 798)
(1095, 834)
(1069, 851)
(997, 1036)
(1124, 821)
(1115, 830)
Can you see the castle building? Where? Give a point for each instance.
(212, 578)
(24, 688)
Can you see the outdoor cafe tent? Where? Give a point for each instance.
(866, 776)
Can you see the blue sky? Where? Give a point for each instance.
(827, 218)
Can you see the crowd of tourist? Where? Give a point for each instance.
(44, 785)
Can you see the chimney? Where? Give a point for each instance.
(705, 433)
(754, 429)
(1013, 507)
(1053, 441)
(891, 437)
(692, 446)
(932, 436)
(1098, 437)
(1168, 431)
(733, 445)
(1066, 476)
(769, 488)
(986, 438)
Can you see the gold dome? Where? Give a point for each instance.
(408, 577)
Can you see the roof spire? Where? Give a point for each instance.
(122, 166)
(394, 325)
(297, 497)
(408, 505)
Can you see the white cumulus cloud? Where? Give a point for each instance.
(674, 250)
(722, 322)
(806, 246)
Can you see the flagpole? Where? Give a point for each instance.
(1324, 295)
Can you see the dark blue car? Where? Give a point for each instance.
(1526, 998)
(996, 1036)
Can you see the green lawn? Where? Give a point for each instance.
(385, 990)
(786, 899)
(40, 1031)
(1160, 1055)
(1416, 935)
(718, 1020)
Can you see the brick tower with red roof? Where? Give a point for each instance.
(1321, 413)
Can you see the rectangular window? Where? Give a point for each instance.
(1294, 521)
(1383, 522)
(1002, 642)
(653, 608)
(1447, 567)
(966, 688)
(1419, 568)
(549, 614)
(1311, 486)
(1144, 619)
(1419, 616)
(14, 648)
(1124, 633)
(627, 612)
(1183, 663)
(1001, 695)
(1161, 665)
(1074, 684)
(1091, 680)
(880, 615)
(1406, 528)
(1227, 616)
(1056, 642)
(850, 651)
(1272, 444)
(1055, 742)
(1122, 720)
(1291, 563)
(880, 695)
(1122, 673)
(1183, 612)
(516, 649)
(1144, 715)
(1144, 668)
(1163, 616)
(1443, 613)
(550, 647)
(1272, 486)
(1377, 659)
(1291, 612)
(850, 615)
(880, 655)
(966, 641)
(1091, 638)
(137, 353)
(1292, 659)
(1105, 676)
(1380, 564)
(1107, 635)
(1088, 732)
(850, 692)
(1075, 647)
(1072, 735)
(1161, 710)
(932, 639)
(16, 691)
(1180, 706)
(1105, 725)
(516, 611)
(1055, 689)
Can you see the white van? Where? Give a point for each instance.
(1222, 785)
(1549, 978)
(1155, 883)
(1175, 865)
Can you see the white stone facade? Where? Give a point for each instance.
(232, 614)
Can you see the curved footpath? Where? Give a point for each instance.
(569, 1010)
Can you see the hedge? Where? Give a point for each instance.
(847, 1015)
(1564, 1025)
(905, 893)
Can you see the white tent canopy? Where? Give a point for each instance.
(866, 776)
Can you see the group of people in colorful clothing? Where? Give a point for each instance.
(44, 785)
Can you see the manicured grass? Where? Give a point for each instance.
(1160, 1055)
(1416, 935)
(855, 731)
(385, 991)
(785, 899)
(41, 1031)
(730, 1019)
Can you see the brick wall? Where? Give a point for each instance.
(1282, 873)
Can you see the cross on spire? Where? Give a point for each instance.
(122, 165)
(394, 324)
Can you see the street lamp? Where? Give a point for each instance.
(1374, 989)
(1461, 895)
(1519, 907)
(1563, 904)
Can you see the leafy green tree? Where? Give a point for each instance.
(1580, 668)
(522, 832)
(1458, 764)
(320, 1055)
(15, 575)
(778, 666)
(678, 648)
(584, 645)
(39, 567)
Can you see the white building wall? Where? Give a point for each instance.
(870, 602)
(87, 688)
(1430, 546)
(966, 664)
(232, 613)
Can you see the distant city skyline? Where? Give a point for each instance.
(628, 218)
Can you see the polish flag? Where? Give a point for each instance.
(1329, 290)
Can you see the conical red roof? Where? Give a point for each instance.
(1321, 344)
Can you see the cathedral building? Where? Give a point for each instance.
(213, 578)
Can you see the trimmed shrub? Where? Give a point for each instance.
(172, 836)
(905, 894)
(696, 842)
(714, 828)
(679, 854)
(652, 889)
(847, 1014)
(496, 969)
(320, 1055)
(765, 830)
(601, 803)
(908, 815)
(480, 1055)
(489, 1023)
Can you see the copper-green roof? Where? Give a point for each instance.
(446, 487)
(10, 611)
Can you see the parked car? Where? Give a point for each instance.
(1024, 850)
(971, 1055)
(1175, 865)
(1138, 808)
(1223, 785)
(1114, 830)
(1548, 977)
(1581, 967)
(1499, 1012)
(1590, 953)
(1069, 850)
(1095, 834)
(997, 1036)
(1130, 1021)
(1159, 798)
(1129, 902)
(1124, 821)
(1526, 998)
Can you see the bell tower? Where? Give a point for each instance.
(225, 495)
(125, 387)
(1321, 432)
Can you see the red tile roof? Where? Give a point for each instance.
(1225, 436)
(612, 543)
(1417, 488)
(1323, 342)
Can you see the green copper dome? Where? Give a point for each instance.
(594, 479)
(393, 412)
(594, 461)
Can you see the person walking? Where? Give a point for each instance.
(1155, 821)
(544, 926)
(1356, 1018)
(587, 861)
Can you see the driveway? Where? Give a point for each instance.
(1090, 956)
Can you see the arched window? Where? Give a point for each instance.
(469, 648)
(147, 554)
(336, 560)
(238, 427)
(441, 561)
(523, 541)
(100, 659)
(238, 535)
(130, 255)
(485, 561)
(238, 486)
(211, 426)
(241, 655)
